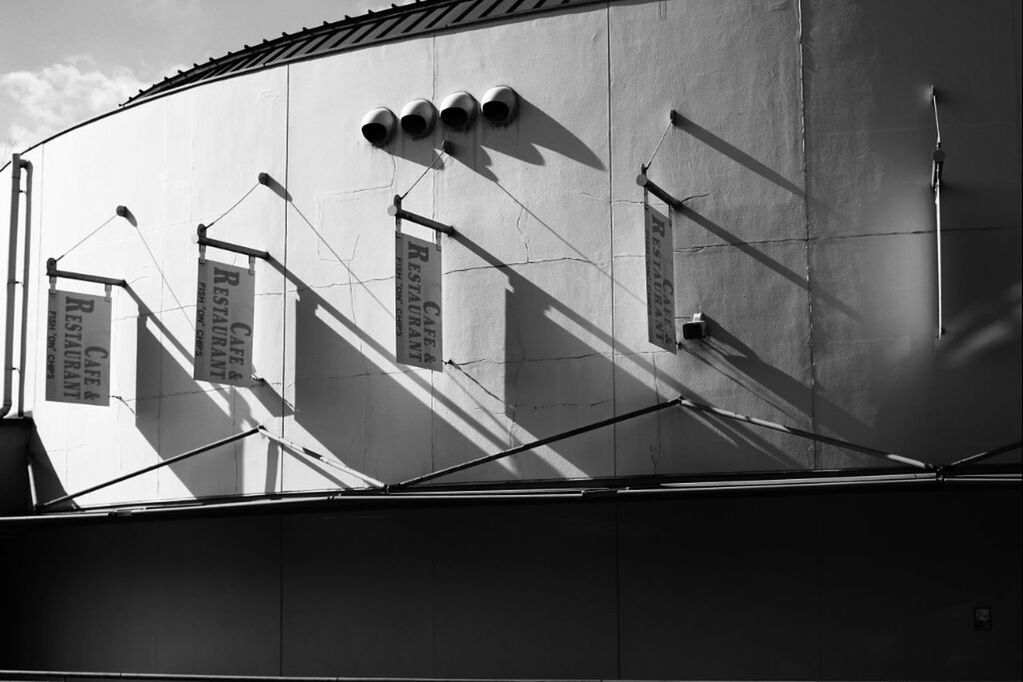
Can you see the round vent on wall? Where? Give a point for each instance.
(458, 111)
(418, 118)
(378, 126)
(500, 105)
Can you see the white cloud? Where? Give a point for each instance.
(37, 104)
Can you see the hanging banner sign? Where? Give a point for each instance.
(660, 280)
(224, 301)
(78, 348)
(417, 304)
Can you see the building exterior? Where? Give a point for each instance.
(679, 543)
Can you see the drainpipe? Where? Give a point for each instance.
(25, 274)
(12, 262)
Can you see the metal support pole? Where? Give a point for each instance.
(690, 405)
(972, 459)
(398, 212)
(534, 444)
(203, 240)
(937, 167)
(52, 271)
(26, 269)
(166, 462)
(12, 263)
(646, 183)
(302, 450)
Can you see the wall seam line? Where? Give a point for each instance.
(801, 46)
(284, 364)
(614, 347)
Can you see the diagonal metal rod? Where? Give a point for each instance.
(534, 444)
(166, 462)
(302, 450)
(986, 454)
(690, 405)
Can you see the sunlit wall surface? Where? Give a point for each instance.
(808, 244)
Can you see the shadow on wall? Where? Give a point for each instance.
(531, 374)
(967, 383)
(762, 258)
(740, 157)
(47, 481)
(186, 417)
(793, 393)
(524, 140)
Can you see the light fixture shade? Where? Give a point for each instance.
(500, 105)
(378, 126)
(418, 118)
(458, 111)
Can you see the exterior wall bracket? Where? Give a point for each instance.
(648, 185)
(53, 273)
(399, 213)
(205, 241)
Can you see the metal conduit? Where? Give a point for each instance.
(154, 467)
(25, 274)
(12, 264)
(681, 402)
(534, 444)
(690, 405)
(50, 676)
(282, 503)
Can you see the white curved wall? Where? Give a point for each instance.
(806, 125)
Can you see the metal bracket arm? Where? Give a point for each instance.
(646, 183)
(52, 271)
(203, 240)
(397, 211)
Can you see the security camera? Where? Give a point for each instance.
(378, 126)
(458, 110)
(500, 105)
(418, 118)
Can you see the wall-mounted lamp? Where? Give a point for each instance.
(500, 105)
(458, 111)
(695, 329)
(418, 118)
(378, 126)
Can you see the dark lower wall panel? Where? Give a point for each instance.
(482, 591)
(876, 584)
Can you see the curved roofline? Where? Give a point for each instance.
(423, 17)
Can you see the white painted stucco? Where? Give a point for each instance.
(806, 131)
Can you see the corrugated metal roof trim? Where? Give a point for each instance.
(419, 18)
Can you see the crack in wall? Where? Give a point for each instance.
(512, 265)
(522, 234)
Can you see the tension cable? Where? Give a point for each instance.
(120, 211)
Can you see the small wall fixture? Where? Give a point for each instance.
(458, 110)
(418, 118)
(695, 328)
(378, 126)
(500, 105)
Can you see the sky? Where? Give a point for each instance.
(65, 61)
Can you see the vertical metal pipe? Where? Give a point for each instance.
(937, 232)
(25, 266)
(12, 263)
